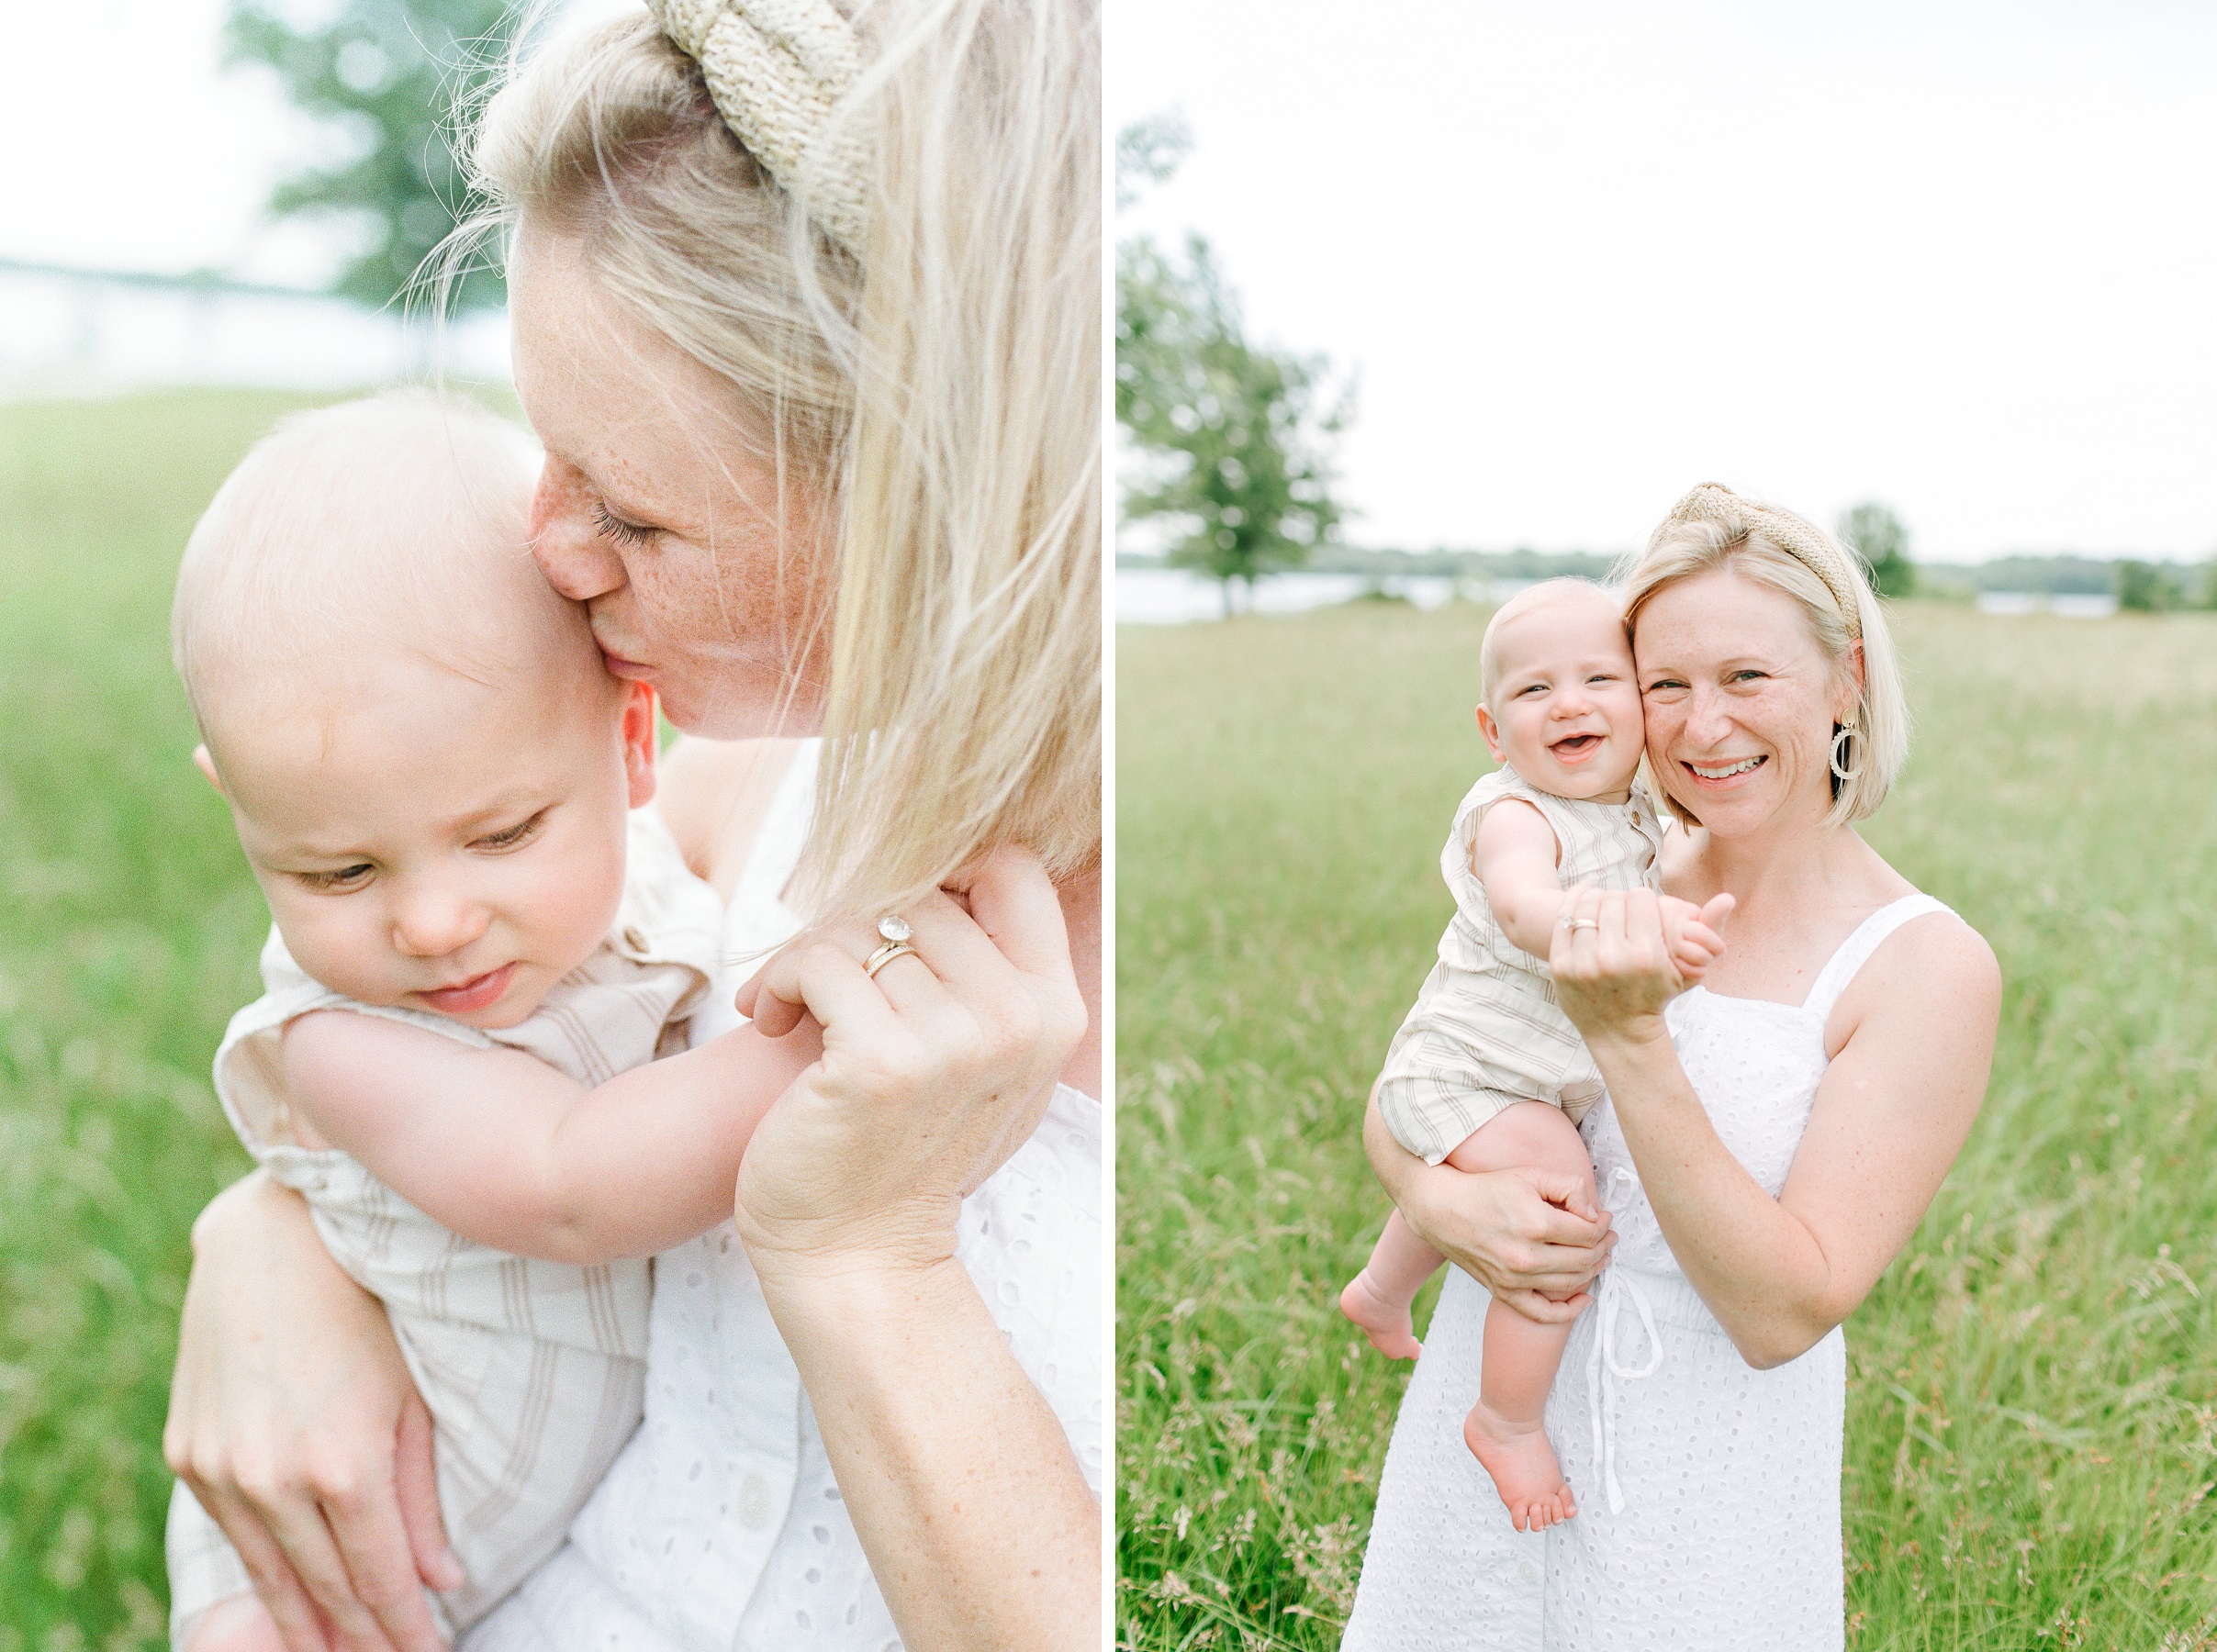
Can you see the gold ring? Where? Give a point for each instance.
(885, 954)
(1579, 923)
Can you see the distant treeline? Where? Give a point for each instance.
(2043, 576)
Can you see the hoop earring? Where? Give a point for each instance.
(1841, 734)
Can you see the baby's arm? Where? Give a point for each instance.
(1513, 857)
(508, 1151)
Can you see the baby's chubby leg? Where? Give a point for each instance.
(240, 1623)
(1503, 1429)
(1378, 1298)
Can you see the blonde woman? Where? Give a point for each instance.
(806, 307)
(1769, 1141)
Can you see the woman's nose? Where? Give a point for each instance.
(565, 541)
(432, 919)
(1705, 720)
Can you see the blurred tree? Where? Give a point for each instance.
(2146, 587)
(391, 74)
(1234, 437)
(1884, 543)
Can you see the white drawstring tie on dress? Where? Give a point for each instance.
(1604, 1369)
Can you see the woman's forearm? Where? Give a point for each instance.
(981, 1529)
(1757, 1265)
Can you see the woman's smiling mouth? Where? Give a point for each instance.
(1725, 771)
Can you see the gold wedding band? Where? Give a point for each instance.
(885, 954)
(1579, 923)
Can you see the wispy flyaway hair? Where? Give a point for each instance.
(937, 382)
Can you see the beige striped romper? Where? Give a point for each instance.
(532, 1370)
(1486, 1029)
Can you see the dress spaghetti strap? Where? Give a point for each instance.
(1854, 952)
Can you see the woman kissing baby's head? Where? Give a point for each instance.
(429, 768)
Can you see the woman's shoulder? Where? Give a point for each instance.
(1915, 959)
(714, 796)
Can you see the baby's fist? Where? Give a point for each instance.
(1690, 933)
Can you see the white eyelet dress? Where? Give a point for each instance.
(721, 1528)
(1708, 1492)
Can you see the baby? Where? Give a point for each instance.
(482, 942)
(1488, 1073)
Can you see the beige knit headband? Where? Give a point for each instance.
(1714, 502)
(777, 70)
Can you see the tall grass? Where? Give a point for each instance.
(128, 928)
(2031, 1436)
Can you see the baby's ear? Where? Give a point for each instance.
(1488, 728)
(206, 765)
(640, 729)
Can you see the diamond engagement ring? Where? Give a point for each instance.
(895, 930)
(1579, 923)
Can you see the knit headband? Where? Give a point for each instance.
(777, 70)
(1714, 502)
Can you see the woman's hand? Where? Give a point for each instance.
(960, 1481)
(294, 1420)
(1613, 965)
(1509, 1229)
(934, 1071)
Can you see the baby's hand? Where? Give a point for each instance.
(1690, 932)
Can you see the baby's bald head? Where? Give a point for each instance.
(391, 526)
(1547, 596)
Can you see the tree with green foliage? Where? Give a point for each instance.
(1234, 438)
(391, 74)
(1883, 543)
(2146, 588)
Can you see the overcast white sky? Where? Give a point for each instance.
(1957, 255)
(139, 151)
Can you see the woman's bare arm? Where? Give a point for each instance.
(981, 1529)
(1916, 1035)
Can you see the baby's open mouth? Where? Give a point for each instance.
(1725, 771)
(1575, 746)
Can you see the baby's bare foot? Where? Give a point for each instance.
(1385, 1322)
(1523, 1464)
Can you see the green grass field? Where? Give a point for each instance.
(2031, 1439)
(129, 929)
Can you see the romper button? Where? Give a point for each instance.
(632, 938)
(753, 1503)
(1528, 1571)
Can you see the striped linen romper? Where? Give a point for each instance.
(1488, 1029)
(532, 1370)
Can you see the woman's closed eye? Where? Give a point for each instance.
(614, 526)
(511, 837)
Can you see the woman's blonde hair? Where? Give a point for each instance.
(940, 385)
(1714, 528)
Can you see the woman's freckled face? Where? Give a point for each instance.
(656, 511)
(1740, 701)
